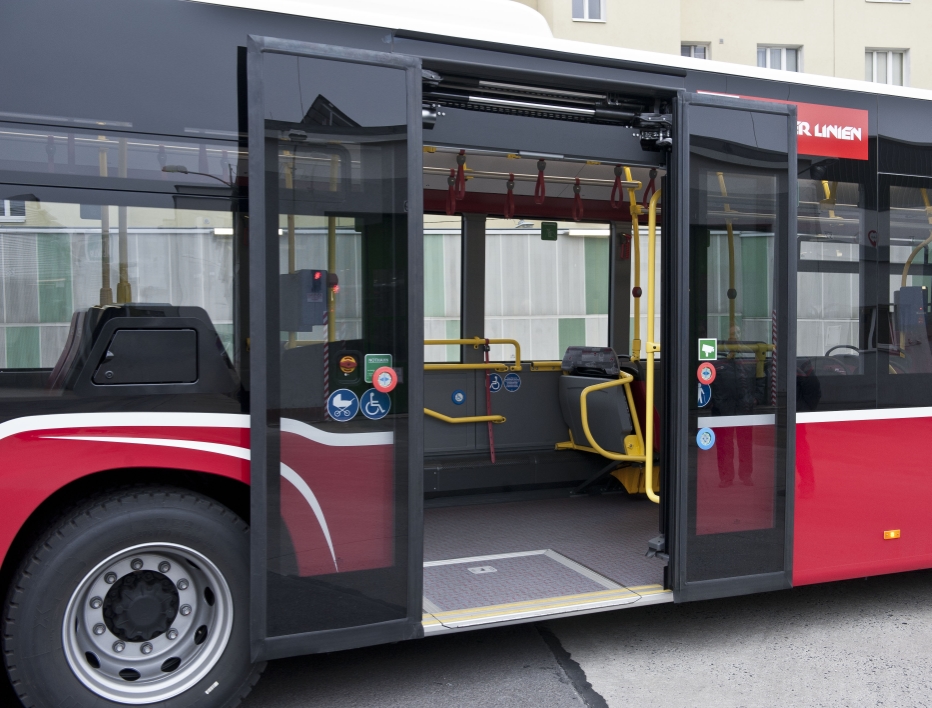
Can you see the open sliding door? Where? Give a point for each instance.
(733, 418)
(335, 346)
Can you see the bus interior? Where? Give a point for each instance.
(535, 388)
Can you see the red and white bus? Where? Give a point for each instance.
(321, 327)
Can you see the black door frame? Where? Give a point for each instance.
(676, 358)
(261, 271)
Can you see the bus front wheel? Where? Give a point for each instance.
(139, 596)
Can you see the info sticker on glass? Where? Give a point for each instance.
(705, 373)
(384, 379)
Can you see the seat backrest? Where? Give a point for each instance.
(608, 414)
(69, 353)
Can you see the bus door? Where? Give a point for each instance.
(736, 187)
(335, 206)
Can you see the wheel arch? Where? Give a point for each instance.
(230, 492)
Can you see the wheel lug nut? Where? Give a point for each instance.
(136, 564)
(118, 647)
(185, 610)
(183, 584)
(99, 629)
(110, 578)
(146, 648)
(96, 603)
(173, 634)
(164, 567)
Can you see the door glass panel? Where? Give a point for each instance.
(738, 235)
(336, 189)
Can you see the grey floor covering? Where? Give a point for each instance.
(607, 534)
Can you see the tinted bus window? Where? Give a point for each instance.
(905, 370)
(155, 283)
(547, 295)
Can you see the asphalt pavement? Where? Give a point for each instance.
(865, 642)
(859, 643)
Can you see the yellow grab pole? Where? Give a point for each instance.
(622, 380)
(124, 290)
(732, 328)
(332, 255)
(636, 241)
(106, 292)
(466, 419)
(289, 184)
(650, 348)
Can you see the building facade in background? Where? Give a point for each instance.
(874, 40)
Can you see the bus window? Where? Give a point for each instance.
(838, 326)
(905, 336)
(443, 236)
(103, 300)
(548, 295)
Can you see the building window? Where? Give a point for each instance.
(785, 58)
(12, 211)
(589, 10)
(696, 51)
(885, 66)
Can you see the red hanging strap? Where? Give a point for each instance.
(577, 201)
(510, 196)
(451, 195)
(650, 189)
(461, 175)
(488, 402)
(615, 200)
(540, 189)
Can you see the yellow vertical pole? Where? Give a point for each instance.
(332, 255)
(124, 290)
(650, 347)
(732, 326)
(636, 241)
(106, 292)
(289, 184)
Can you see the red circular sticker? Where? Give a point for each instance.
(706, 373)
(384, 379)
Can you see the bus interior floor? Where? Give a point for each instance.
(537, 556)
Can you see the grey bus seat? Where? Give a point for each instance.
(609, 417)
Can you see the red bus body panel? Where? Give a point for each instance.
(856, 479)
(337, 500)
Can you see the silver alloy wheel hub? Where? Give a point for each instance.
(147, 623)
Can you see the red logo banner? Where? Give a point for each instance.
(825, 131)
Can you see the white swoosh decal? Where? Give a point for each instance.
(324, 437)
(305, 490)
(232, 451)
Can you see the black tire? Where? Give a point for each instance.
(42, 591)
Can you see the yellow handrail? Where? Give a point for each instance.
(466, 419)
(636, 241)
(650, 348)
(759, 349)
(732, 327)
(623, 380)
(476, 343)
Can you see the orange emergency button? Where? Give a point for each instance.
(888, 535)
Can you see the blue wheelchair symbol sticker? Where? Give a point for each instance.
(342, 405)
(459, 397)
(705, 438)
(705, 395)
(496, 383)
(512, 382)
(375, 405)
